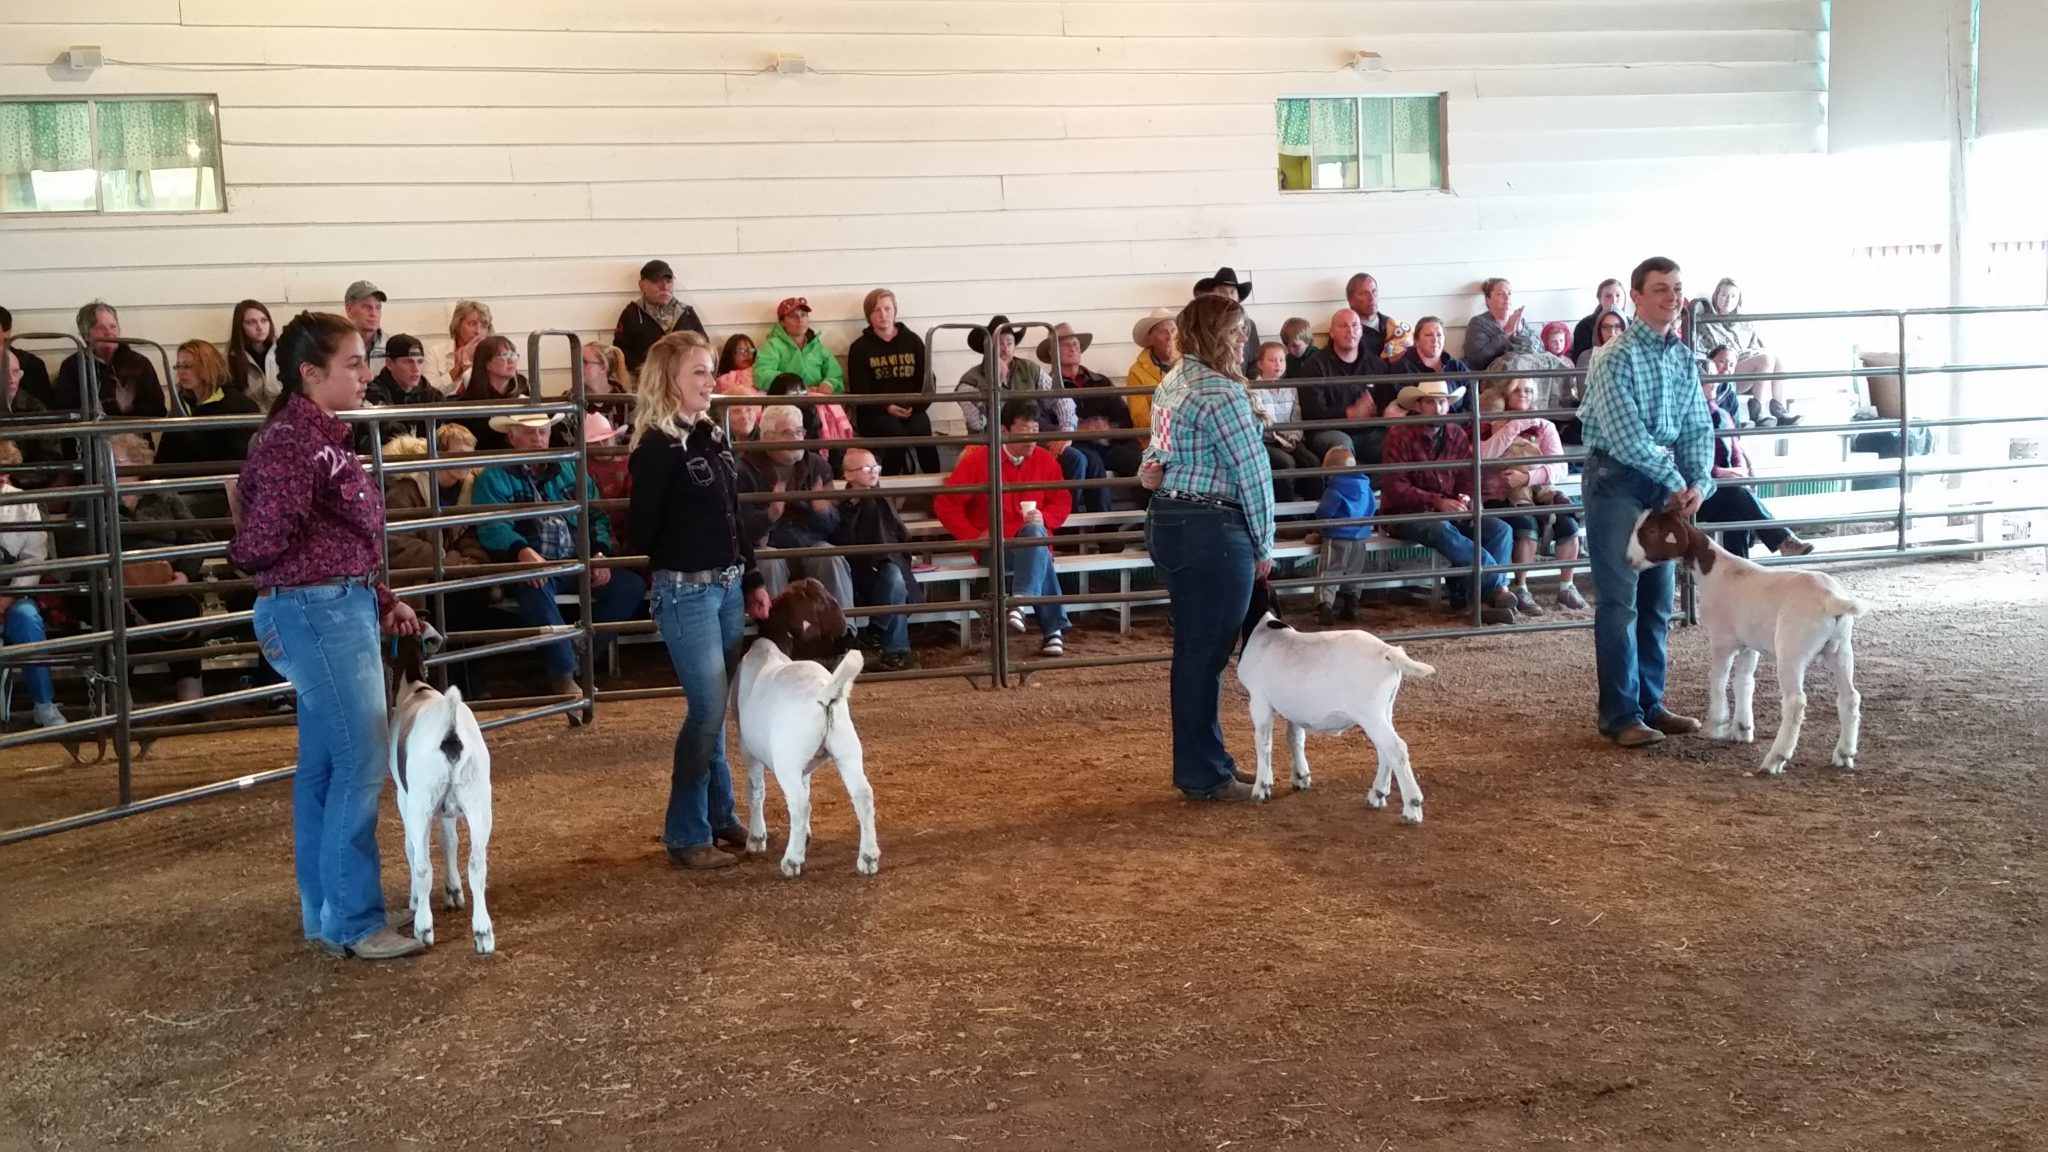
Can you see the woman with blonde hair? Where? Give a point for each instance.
(1718, 330)
(684, 511)
(1209, 529)
(468, 325)
(202, 377)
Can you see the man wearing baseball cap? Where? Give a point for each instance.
(364, 303)
(655, 314)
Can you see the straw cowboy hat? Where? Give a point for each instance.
(1141, 332)
(1414, 392)
(1060, 331)
(979, 342)
(598, 429)
(524, 420)
(1225, 276)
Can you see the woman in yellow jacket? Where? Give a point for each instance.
(1157, 355)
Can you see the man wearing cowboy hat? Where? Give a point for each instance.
(615, 594)
(1226, 284)
(1158, 353)
(1091, 413)
(1056, 411)
(1443, 485)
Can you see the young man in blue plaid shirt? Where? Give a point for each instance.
(1652, 446)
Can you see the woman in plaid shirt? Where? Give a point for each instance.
(1209, 530)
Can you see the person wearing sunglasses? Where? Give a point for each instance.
(879, 578)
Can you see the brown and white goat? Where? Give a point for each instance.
(1799, 615)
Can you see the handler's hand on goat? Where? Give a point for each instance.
(758, 603)
(401, 620)
(1686, 502)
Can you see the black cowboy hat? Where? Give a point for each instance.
(1225, 276)
(978, 341)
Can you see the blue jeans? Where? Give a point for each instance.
(24, 625)
(1084, 462)
(895, 629)
(700, 623)
(1634, 609)
(1453, 541)
(1206, 557)
(619, 599)
(1031, 574)
(325, 640)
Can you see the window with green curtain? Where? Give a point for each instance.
(1370, 143)
(142, 155)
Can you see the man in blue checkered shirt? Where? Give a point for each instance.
(1652, 446)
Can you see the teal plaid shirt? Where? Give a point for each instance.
(1643, 407)
(1212, 444)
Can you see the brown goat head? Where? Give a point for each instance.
(806, 623)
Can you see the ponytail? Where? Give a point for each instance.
(309, 338)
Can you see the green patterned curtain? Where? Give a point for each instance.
(139, 135)
(46, 137)
(1317, 127)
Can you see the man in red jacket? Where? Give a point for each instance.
(1028, 514)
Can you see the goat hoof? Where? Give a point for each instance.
(1261, 793)
(1844, 761)
(486, 942)
(868, 864)
(1775, 766)
(424, 935)
(792, 868)
(757, 845)
(1722, 732)
(451, 897)
(1375, 799)
(1411, 812)
(1301, 783)
(1745, 735)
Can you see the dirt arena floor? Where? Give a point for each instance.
(1582, 946)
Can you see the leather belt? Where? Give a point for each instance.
(707, 576)
(1198, 498)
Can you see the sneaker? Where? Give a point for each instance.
(702, 857)
(1794, 546)
(1672, 724)
(385, 944)
(1525, 602)
(1568, 597)
(1054, 646)
(1017, 620)
(49, 716)
(1637, 736)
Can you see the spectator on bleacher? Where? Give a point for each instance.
(1298, 337)
(128, 383)
(23, 615)
(821, 422)
(888, 357)
(1557, 340)
(1092, 413)
(1445, 489)
(1342, 549)
(1609, 325)
(1652, 447)
(792, 523)
(1718, 327)
(608, 469)
(1612, 299)
(499, 382)
(735, 370)
(403, 380)
(1285, 448)
(252, 353)
(615, 593)
(1498, 436)
(160, 508)
(1426, 357)
(878, 578)
(655, 314)
(792, 346)
(455, 440)
(468, 324)
(1362, 296)
(413, 492)
(1209, 530)
(35, 375)
(685, 512)
(1226, 284)
(1498, 330)
(1734, 505)
(1027, 515)
(1348, 395)
(1158, 354)
(364, 302)
(604, 374)
(40, 450)
(203, 379)
(1017, 374)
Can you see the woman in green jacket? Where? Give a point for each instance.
(791, 346)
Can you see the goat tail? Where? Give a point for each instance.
(1399, 658)
(1843, 606)
(451, 735)
(838, 688)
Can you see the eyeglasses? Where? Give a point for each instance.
(868, 469)
(507, 357)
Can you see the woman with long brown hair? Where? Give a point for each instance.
(1209, 529)
(494, 378)
(252, 353)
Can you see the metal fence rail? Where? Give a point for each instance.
(88, 486)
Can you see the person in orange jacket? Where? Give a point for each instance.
(1027, 514)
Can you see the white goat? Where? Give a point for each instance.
(794, 716)
(1325, 682)
(441, 766)
(1799, 615)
